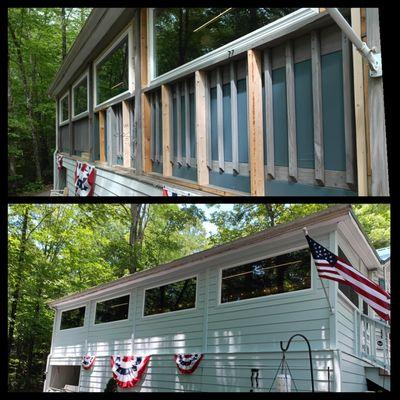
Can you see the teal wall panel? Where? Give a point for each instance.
(185, 172)
(280, 117)
(183, 126)
(174, 128)
(304, 114)
(213, 114)
(226, 93)
(96, 137)
(332, 111)
(192, 126)
(234, 182)
(242, 121)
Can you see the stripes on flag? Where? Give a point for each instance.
(329, 266)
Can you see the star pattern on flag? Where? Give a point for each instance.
(321, 253)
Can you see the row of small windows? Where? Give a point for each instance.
(280, 274)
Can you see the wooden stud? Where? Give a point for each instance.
(380, 179)
(201, 88)
(166, 106)
(234, 119)
(187, 123)
(179, 124)
(269, 113)
(319, 167)
(359, 109)
(348, 114)
(143, 47)
(291, 111)
(102, 136)
(220, 121)
(256, 146)
(126, 135)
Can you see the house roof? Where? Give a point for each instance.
(326, 215)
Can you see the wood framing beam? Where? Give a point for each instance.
(102, 125)
(291, 110)
(202, 116)
(359, 109)
(126, 135)
(319, 167)
(379, 164)
(269, 113)
(348, 114)
(145, 106)
(255, 123)
(166, 106)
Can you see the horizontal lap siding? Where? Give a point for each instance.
(111, 184)
(345, 326)
(353, 374)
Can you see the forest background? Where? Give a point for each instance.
(58, 249)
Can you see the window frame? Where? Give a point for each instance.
(238, 46)
(75, 307)
(85, 75)
(66, 121)
(169, 283)
(126, 32)
(263, 298)
(111, 298)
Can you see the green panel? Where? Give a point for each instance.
(185, 172)
(214, 133)
(333, 112)
(280, 117)
(284, 188)
(234, 182)
(242, 121)
(174, 129)
(304, 114)
(157, 167)
(183, 126)
(192, 126)
(226, 104)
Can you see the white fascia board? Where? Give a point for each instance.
(316, 229)
(263, 35)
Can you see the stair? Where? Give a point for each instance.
(378, 379)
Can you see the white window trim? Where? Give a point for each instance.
(169, 283)
(127, 32)
(66, 121)
(84, 76)
(263, 35)
(111, 298)
(269, 296)
(69, 309)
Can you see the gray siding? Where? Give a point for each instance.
(353, 374)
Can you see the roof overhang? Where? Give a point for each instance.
(317, 223)
(102, 25)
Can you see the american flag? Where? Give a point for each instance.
(330, 266)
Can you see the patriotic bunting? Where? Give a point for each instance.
(187, 363)
(169, 192)
(84, 178)
(128, 370)
(59, 161)
(337, 269)
(88, 361)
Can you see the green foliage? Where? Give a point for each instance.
(34, 58)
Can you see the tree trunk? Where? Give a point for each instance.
(29, 104)
(16, 295)
(138, 214)
(63, 34)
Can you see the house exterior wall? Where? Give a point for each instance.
(234, 337)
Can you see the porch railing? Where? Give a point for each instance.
(374, 343)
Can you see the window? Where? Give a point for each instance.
(112, 72)
(64, 109)
(347, 290)
(381, 283)
(80, 96)
(72, 318)
(172, 297)
(112, 310)
(184, 34)
(283, 273)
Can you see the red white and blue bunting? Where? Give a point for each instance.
(60, 161)
(169, 192)
(88, 361)
(84, 178)
(128, 370)
(187, 363)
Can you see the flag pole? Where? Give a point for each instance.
(322, 283)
